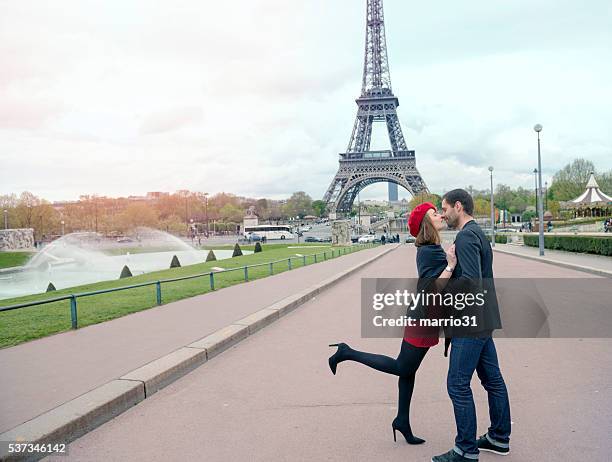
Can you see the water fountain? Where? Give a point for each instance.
(87, 257)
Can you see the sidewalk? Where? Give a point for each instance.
(597, 262)
(42, 374)
(273, 398)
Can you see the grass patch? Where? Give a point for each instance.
(113, 251)
(24, 324)
(10, 259)
(265, 246)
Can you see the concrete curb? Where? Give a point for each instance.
(76, 417)
(73, 419)
(159, 373)
(562, 264)
(221, 340)
(258, 320)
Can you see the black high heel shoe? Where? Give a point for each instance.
(406, 431)
(337, 356)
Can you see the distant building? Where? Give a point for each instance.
(375, 202)
(393, 192)
(156, 195)
(61, 205)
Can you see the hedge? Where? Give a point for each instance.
(578, 221)
(499, 238)
(583, 244)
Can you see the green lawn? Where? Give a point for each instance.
(136, 249)
(9, 259)
(20, 325)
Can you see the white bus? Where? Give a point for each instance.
(269, 231)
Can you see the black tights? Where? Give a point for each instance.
(404, 366)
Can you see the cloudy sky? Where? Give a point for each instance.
(256, 97)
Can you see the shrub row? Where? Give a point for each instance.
(579, 221)
(499, 238)
(584, 244)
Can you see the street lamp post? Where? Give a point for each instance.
(298, 229)
(535, 189)
(5, 219)
(186, 212)
(206, 213)
(492, 211)
(538, 129)
(359, 214)
(96, 209)
(62, 227)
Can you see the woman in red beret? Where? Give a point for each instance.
(433, 262)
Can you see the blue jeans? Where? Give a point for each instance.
(468, 355)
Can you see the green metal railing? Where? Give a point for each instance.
(158, 284)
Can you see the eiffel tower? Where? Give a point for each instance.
(359, 166)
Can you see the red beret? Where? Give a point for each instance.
(416, 217)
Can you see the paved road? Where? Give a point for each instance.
(40, 375)
(273, 398)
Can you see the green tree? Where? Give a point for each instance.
(503, 196)
(521, 199)
(137, 214)
(554, 207)
(570, 181)
(262, 208)
(605, 182)
(299, 204)
(482, 207)
(319, 207)
(8, 202)
(420, 198)
(528, 215)
(26, 205)
(231, 212)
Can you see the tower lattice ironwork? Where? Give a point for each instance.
(359, 166)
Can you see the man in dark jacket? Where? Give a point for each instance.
(474, 350)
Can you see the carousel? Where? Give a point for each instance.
(591, 203)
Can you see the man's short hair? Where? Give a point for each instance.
(460, 195)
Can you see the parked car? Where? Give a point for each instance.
(312, 239)
(367, 238)
(123, 239)
(410, 240)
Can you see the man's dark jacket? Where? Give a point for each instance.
(474, 273)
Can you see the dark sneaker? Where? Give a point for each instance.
(487, 444)
(452, 456)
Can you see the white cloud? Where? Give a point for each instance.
(256, 97)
